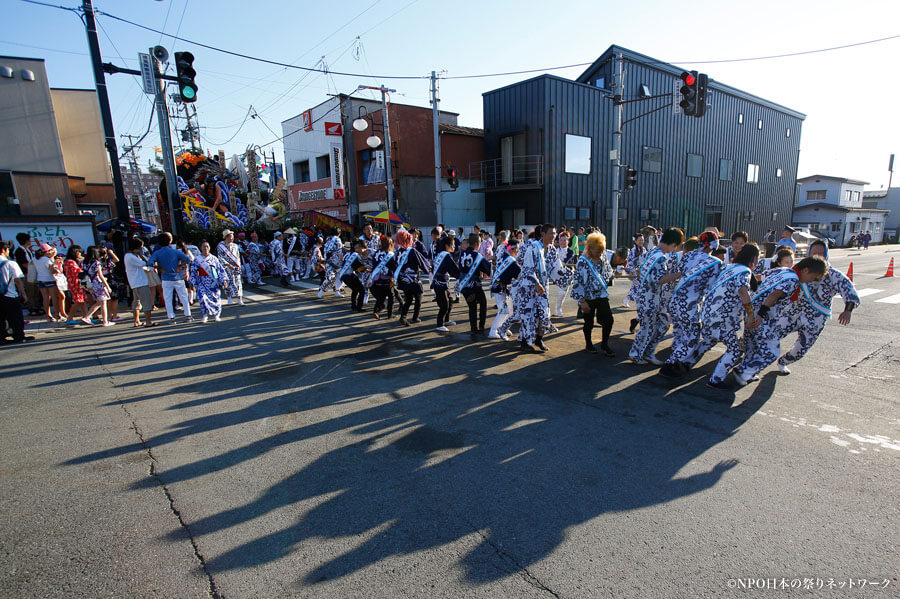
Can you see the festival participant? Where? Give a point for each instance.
(353, 264)
(252, 263)
(593, 275)
(230, 257)
(443, 268)
(208, 277)
(653, 275)
(372, 241)
(635, 258)
(506, 272)
(530, 305)
(562, 271)
(379, 280)
(276, 253)
(473, 266)
(726, 306)
(407, 264)
(315, 266)
(783, 258)
(720, 254)
(780, 288)
(738, 239)
(808, 315)
(699, 271)
(333, 250)
(502, 250)
(292, 254)
(486, 248)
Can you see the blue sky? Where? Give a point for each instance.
(845, 134)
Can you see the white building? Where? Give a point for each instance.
(833, 206)
(886, 199)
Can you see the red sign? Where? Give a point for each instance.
(338, 193)
(333, 129)
(307, 120)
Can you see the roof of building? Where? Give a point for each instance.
(368, 100)
(458, 130)
(875, 194)
(830, 178)
(836, 208)
(676, 71)
(23, 58)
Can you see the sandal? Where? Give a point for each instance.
(148, 325)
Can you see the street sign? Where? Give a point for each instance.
(307, 120)
(147, 73)
(333, 129)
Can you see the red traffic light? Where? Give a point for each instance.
(688, 78)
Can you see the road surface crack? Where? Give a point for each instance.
(523, 571)
(212, 589)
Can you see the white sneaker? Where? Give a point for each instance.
(559, 315)
(319, 295)
(784, 369)
(449, 323)
(218, 317)
(442, 329)
(241, 303)
(494, 335)
(654, 360)
(740, 380)
(626, 303)
(204, 319)
(338, 294)
(229, 301)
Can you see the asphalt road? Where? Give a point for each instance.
(296, 449)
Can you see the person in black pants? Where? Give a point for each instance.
(472, 268)
(12, 293)
(353, 263)
(443, 268)
(593, 275)
(406, 265)
(381, 279)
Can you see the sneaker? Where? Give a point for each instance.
(218, 318)
(654, 360)
(784, 369)
(205, 319)
(319, 295)
(442, 330)
(338, 294)
(173, 321)
(494, 336)
(241, 303)
(190, 320)
(718, 385)
(740, 380)
(450, 323)
(108, 324)
(86, 321)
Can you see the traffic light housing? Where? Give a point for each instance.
(702, 83)
(184, 66)
(452, 179)
(689, 93)
(630, 178)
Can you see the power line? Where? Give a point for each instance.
(147, 132)
(246, 116)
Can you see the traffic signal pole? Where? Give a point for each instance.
(165, 138)
(109, 133)
(619, 87)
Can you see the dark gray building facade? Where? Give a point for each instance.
(548, 142)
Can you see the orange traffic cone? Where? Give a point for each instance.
(850, 272)
(890, 270)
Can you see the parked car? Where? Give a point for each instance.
(828, 240)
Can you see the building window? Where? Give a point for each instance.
(815, 195)
(372, 166)
(623, 214)
(778, 172)
(570, 213)
(813, 226)
(301, 172)
(578, 154)
(654, 214)
(725, 168)
(759, 124)
(752, 173)
(787, 132)
(651, 160)
(584, 213)
(644, 91)
(741, 118)
(854, 227)
(645, 214)
(694, 167)
(848, 196)
(600, 82)
(836, 227)
(323, 167)
(9, 204)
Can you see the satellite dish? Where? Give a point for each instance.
(160, 53)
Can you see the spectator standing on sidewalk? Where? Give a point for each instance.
(167, 259)
(12, 294)
(72, 268)
(25, 259)
(99, 286)
(136, 270)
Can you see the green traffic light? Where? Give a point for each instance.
(189, 93)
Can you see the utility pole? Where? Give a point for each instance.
(618, 89)
(109, 133)
(132, 160)
(389, 179)
(165, 138)
(438, 205)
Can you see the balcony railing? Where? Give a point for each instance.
(509, 172)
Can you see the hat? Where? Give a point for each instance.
(226, 233)
(789, 228)
(279, 234)
(242, 234)
(290, 231)
(452, 232)
(46, 247)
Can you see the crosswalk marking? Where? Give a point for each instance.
(868, 291)
(894, 299)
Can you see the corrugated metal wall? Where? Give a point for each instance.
(548, 107)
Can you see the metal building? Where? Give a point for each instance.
(548, 142)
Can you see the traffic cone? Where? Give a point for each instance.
(850, 272)
(890, 270)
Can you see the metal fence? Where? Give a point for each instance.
(510, 170)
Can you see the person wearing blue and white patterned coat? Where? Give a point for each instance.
(699, 270)
(530, 305)
(276, 253)
(230, 256)
(562, 259)
(762, 345)
(808, 316)
(333, 262)
(592, 278)
(506, 271)
(727, 305)
(636, 256)
(653, 276)
(372, 241)
(208, 277)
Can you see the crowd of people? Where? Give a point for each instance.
(705, 292)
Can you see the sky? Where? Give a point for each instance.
(849, 95)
